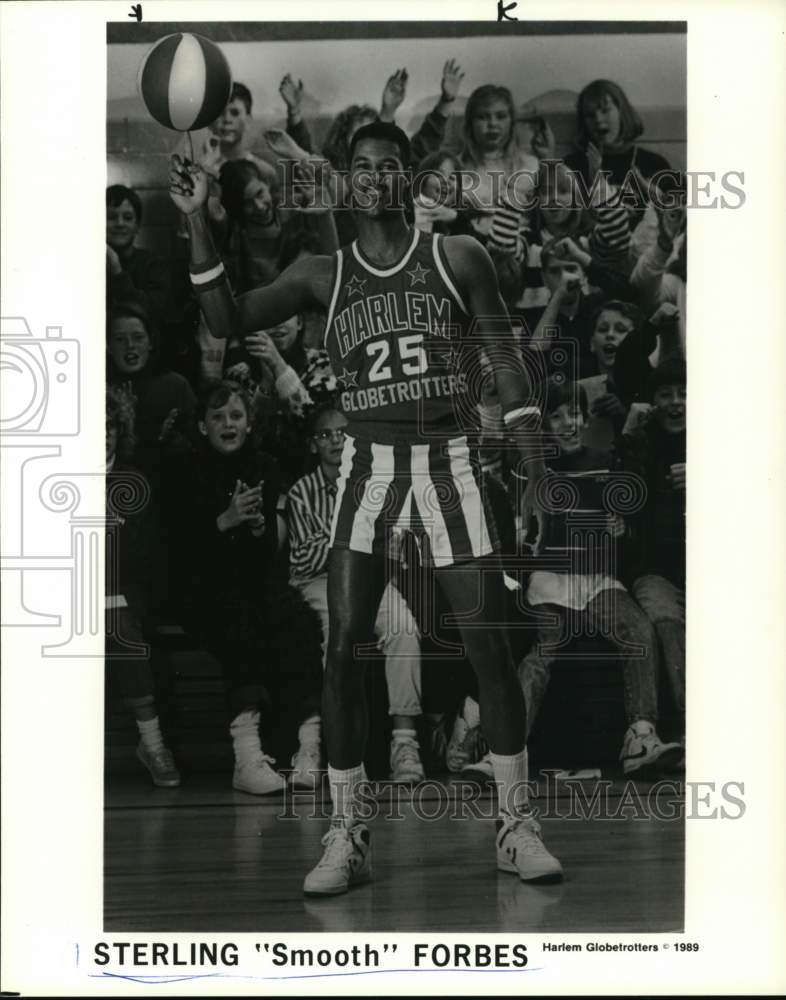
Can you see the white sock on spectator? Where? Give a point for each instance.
(511, 774)
(244, 731)
(150, 734)
(310, 731)
(471, 712)
(405, 736)
(342, 790)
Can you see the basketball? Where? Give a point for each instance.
(185, 81)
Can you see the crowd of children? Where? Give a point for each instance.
(241, 450)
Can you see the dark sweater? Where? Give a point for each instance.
(144, 275)
(157, 393)
(135, 555)
(618, 165)
(214, 565)
(659, 528)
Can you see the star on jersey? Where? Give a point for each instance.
(450, 358)
(356, 284)
(349, 379)
(418, 275)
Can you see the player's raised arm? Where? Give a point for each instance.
(479, 287)
(302, 286)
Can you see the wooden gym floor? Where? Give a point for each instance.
(206, 858)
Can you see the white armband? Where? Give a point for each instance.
(514, 416)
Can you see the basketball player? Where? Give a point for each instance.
(399, 303)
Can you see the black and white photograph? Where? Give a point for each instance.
(379, 631)
(383, 567)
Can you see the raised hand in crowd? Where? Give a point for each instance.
(113, 261)
(285, 147)
(211, 156)
(676, 476)
(188, 185)
(569, 249)
(611, 407)
(260, 346)
(569, 285)
(314, 187)
(452, 76)
(594, 160)
(292, 95)
(393, 95)
(543, 143)
(670, 222)
(666, 315)
(165, 433)
(244, 508)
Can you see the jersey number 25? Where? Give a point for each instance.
(410, 349)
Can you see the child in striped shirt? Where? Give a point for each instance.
(310, 506)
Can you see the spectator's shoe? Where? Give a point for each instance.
(465, 747)
(406, 766)
(345, 862)
(161, 766)
(481, 771)
(306, 766)
(520, 849)
(678, 765)
(257, 777)
(643, 752)
(436, 743)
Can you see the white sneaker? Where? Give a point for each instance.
(520, 849)
(306, 765)
(405, 763)
(257, 777)
(482, 770)
(466, 745)
(345, 862)
(643, 751)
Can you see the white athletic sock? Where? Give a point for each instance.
(310, 731)
(471, 712)
(244, 731)
(510, 774)
(150, 734)
(342, 791)
(405, 736)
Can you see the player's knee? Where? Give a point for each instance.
(342, 647)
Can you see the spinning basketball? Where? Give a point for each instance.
(185, 81)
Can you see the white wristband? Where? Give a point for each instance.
(514, 416)
(205, 277)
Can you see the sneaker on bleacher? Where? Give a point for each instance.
(466, 745)
(306, 766)
(480, 770)
(643, 750)
(160, 764)
(406, 766)
(255, 776)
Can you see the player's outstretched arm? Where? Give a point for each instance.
(479, 288)
(302, 286)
